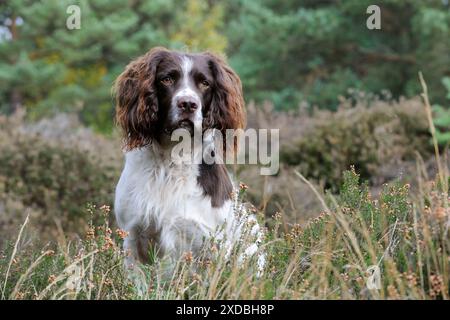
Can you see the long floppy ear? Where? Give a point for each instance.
(136, 99)
(227, 105)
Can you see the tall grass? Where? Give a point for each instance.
(328, 258)
(336, 255)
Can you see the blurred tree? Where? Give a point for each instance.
(197, 26)
(291, 50)
(441, 118)
(46, 67)
(285, 51)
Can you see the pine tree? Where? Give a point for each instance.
(46, 67)
(293, 50)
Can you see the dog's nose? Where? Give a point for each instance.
(187, 105)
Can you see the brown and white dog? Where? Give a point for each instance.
(174, 205)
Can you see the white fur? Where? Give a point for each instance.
(186, 91)
(158, 194)
(155, 192)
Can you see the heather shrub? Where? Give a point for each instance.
(88, 268)
(328, 257)
(55, 179)
(381, 139)
(369, 138)
(283, 193)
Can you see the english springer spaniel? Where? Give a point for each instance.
(160, 200)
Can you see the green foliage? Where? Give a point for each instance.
(441, 118)
(197, 27)
(319, 49)
(44, 66)
(284, 52)
(47, 67)
(369, 219)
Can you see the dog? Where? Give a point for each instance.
(159, 200)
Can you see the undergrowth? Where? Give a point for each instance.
(331, 257)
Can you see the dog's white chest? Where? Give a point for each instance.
(161, 194)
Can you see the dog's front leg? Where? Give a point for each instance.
(130, 246)
(133, 248)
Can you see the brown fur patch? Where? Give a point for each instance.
(216, 183)
(136, 99)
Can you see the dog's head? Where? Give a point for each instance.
(164, 90)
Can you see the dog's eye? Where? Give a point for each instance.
(167, 81)
(204, 84)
